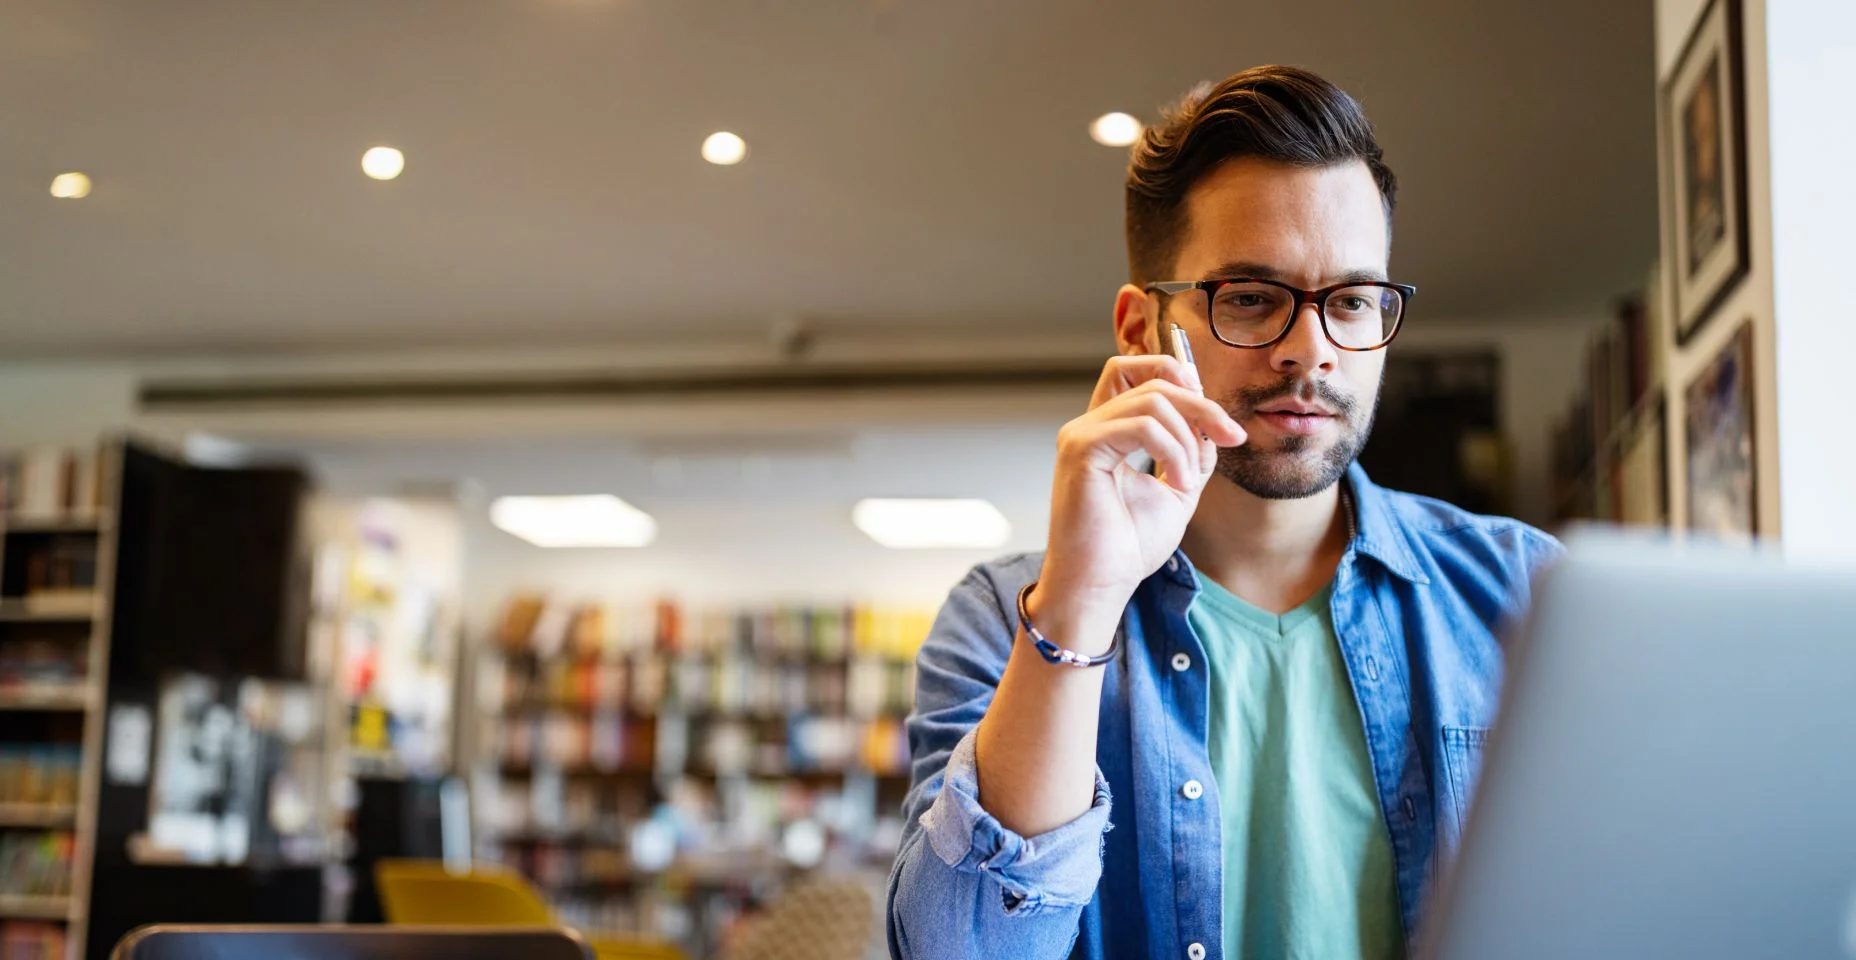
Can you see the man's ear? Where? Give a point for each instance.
(1137, 321)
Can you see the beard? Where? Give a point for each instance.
(1299, 466)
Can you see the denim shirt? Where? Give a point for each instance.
(1420, 600)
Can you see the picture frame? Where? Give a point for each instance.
(1704, 117)
(1721, 459)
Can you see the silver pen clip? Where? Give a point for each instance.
(1178, 347)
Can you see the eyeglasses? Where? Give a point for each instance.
(1244, 312)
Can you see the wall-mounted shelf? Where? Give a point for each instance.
(37, 815)
(16, 907)
(60, 698)
(49, 610)
(75, 524)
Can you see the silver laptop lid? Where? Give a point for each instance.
(1674, 770)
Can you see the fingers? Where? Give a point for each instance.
(1152, 403)
(1106, 444)
(1124, 373)
(1207, 418)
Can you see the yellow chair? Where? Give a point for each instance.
(423, 892)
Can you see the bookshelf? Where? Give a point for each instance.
(1610, 448)
(657, 770)
(57, 558)
(383, 633)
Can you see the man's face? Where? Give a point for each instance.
(1306, 404)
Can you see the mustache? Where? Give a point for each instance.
(1244, 402)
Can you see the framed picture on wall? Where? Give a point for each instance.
(1704, 112)
(1722, 466)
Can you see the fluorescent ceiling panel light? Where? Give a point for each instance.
(599, 520)
(922, 524)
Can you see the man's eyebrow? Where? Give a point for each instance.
(1244, 268)
(1263, 271)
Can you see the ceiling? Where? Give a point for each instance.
(913, 165)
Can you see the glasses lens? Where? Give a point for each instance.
(1364, 317)
(1247, 314)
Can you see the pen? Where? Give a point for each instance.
(1176, 345)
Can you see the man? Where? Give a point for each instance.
(1269, 677)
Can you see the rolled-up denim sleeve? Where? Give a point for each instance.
(964, 885)
(1059, 868)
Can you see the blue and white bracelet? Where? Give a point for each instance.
(1056, 654)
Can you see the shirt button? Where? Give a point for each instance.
(1195, 951)
(1172, 563)
(1192, 790)
(1181, 663)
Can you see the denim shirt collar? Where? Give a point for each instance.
(1382, 536)
(1379, 535)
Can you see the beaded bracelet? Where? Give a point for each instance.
(1056, 654)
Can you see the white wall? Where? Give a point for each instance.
(1811, 48)
(63, 403)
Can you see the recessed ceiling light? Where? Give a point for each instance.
(1115, 130)
(70, 186)
(383, 163)
(724, 149)
(598, 520)
(917, 524)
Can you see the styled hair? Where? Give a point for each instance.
(1285, 114)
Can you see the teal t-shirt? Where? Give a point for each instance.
(1308, 867)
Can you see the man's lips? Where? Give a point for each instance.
(1299, 409)
(1292, 421)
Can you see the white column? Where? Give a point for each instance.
(1811, 80)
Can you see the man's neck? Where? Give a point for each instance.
(1274, 554)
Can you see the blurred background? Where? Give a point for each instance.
(539, 432)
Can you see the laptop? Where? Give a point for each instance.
(1673, 773)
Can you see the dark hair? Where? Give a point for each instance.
(1277, 113)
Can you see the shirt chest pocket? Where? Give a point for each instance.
(1462, 764)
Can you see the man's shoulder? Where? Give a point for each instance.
(1001, 578)
(986, 594)
(1014, 569)
(1453, 537)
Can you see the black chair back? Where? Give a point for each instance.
(163, 942)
